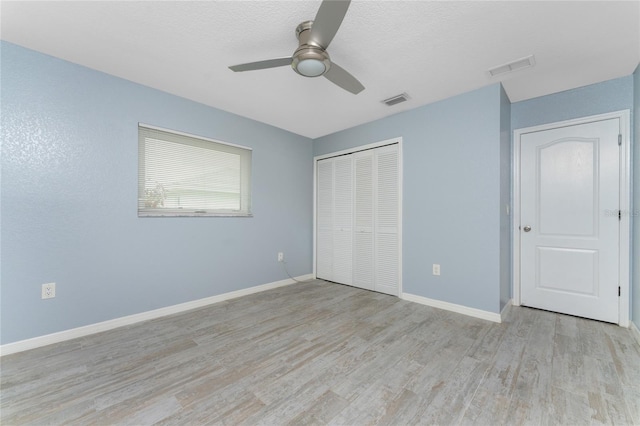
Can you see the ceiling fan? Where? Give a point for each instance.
(311, 58)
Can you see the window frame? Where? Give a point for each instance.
(245, 153)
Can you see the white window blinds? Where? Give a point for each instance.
(186, 175)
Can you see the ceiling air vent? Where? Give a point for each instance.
(396, 99)
(519, 64)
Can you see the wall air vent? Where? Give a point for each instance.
(396, 99)
(519, 64)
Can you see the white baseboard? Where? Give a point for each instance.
(460, 309)
(61, 336)
(634, 332)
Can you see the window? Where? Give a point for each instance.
(186, 175)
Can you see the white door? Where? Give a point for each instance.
(324, 220)
(387, 220)
(363, 260)
(358, 219)
(334, 219)
(569, 232)
(342, 220)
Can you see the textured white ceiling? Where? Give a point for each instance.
(430, 49)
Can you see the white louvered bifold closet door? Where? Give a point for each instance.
(358, 219)
(387, 220)
(363, 217)
(324, 220)
(342, 220)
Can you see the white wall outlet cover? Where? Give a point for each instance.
(48, 290)
(436, 269)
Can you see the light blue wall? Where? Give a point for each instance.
(451, 197)
(69, 200)
(600, 98)
(505, 198)
(68, 195)
(635, 282)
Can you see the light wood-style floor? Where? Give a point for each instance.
(321, 353)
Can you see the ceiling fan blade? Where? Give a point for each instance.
(260, 65)
(342, 78)
(327, 21)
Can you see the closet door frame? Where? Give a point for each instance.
(398, 141)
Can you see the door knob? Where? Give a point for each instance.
(527, 228)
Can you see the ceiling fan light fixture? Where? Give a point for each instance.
(311, 67)
(310, 61)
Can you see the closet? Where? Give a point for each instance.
(358, 219)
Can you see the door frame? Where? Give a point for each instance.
(624, 240)
(398, 141)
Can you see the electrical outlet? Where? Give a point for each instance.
(436, 269)
(280, 257)
(48, 290)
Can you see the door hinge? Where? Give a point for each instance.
(618, 291)
(619, 214)
(620, 139)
